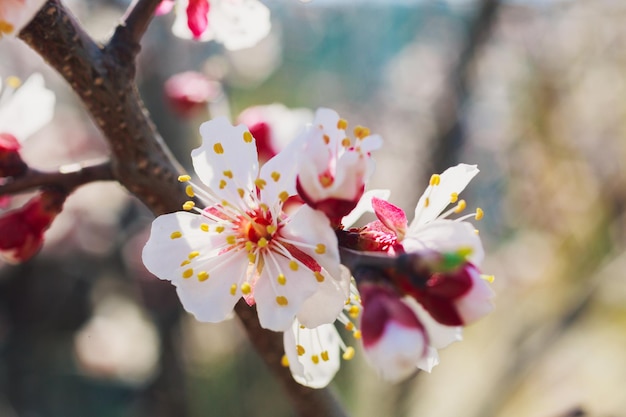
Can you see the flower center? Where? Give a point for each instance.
(257, 225)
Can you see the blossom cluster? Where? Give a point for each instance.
(278, 235)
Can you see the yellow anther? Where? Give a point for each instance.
(260, 183)
(231, 239)
(282, 280)
(283, 196)
(326, 139)
(241, 192)
(465, 251)
(203, 276)
(264, 207)
(228, 174)
(219, 229)
(188, 205)
(325, 356)
(426, 202)
(479, 214)
(293, 265)
(184, 178)
(320, 249)
(222, 184)
(349, 326)
(284, 361)
(249, 246)
(315, 359)
(354, 311)
(282, 300)
(476, 231)
(489, 278)
(189, 191)
(233, 289)
(187, 273)
(251, 258)
(13, 82)
(246, 288)
(454, 197)
(275, 176)
(262, 242)
(361, 132)
(225, 203)
(6, 27)
(357, 334)
(193, 254)
(300, 350)
(435, 179)
(247, 137)
(348, 354)
(185, 262)
(271, 228)
(460, 206)
(342, 124)
(218, 148)
(176, 235)
(204, 227)
(345, 142)
(319, 277)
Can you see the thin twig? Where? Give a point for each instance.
(67, 178)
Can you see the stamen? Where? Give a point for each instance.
(176, 235)
(454, 198)
(193, 254)
(247, 137)
(189, 191)
(251, 258)
(300, 350)
(326, 139)
(435, 179)
(479, 214)
(231, 239)
(346, 142)
(185, 262)
(349, 353)
(228, 174)
(342, 124)
(204, 227)
(187, 273)
(460, 206)
(271, 229)
(13, 81)
(325, 356)
(222, 184)
(354, 311)
(233, 289)
(188, 205)
(246, 288)
(260, 183)
(282, 280)
(275, 176)
(315, 359)
(218, 148)
(283, 196)
(282, 300)
(284, 361)
(489, 278)
(320, 249)
(293, 265)
(357, 334)
(361, 132)
(262, 243)
(203, 276)
(319, 277)
(184, 178)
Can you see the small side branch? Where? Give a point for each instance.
(67, 178)
(125, 42)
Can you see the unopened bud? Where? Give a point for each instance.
(189, 92)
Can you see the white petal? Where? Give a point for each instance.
(27, 110)
(446, 236)
(364, 206)
(477, 302)
(19, 12)
(209, 300)
(225, 152)
(314, 341)
(298, 286)
(239, 24)
(312, 227)
(327, 302)
(439, 336)
(452, 180)
(397, 352)
(429, 360)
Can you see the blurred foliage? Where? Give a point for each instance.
(544, 117)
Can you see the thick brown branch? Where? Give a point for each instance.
(125, 43)
(67, 178)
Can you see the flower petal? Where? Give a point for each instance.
(27, 110)
(391, 216)
(445, 236)
(310, 372)
(327, 302)
(439, 336)
(239, 24)
(227, 159)
(364, 206)
(452, 180)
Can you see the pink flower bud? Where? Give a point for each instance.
(22, 230)
(189, 92)
(394, 340)
(457, 298)
(11, 163)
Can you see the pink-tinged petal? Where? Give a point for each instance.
(239, 24)
(429, 360)
(370, 143)
(477, 302)
(446, 236)
(364, 206)
(310, 227)
(327, 302)
(227, 159)
(279, 300)
(197, 17)
(439, 336)
(313, 368)
(164, 7)
(15, 14)
(391, 216)
(451, 181)
(28, 109)
(398, 352)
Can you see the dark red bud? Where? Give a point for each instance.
(188, 93)
(11, 163)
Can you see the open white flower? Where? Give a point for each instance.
(242, 243)
(15, 14)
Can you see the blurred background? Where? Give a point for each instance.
(534, 92)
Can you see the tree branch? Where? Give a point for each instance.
(67, 178)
